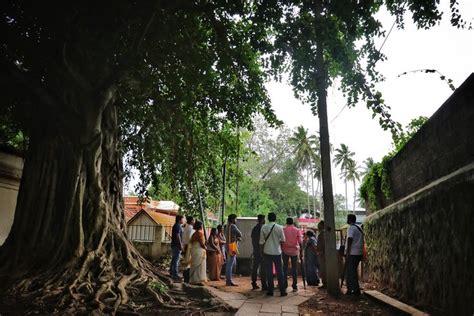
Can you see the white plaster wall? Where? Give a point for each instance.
(11, 167)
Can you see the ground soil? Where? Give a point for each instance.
(319, 304)
(323, 304)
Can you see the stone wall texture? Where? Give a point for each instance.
(442, 145)
(421, 246)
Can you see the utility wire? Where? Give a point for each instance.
(386, 37)
(379, 50)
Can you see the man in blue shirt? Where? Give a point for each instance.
(233, 234)
(176, 246)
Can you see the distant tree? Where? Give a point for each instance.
(343, 159)
(304, 149)
(319, 41)
(285, 190)
(340, 212)
(352, 174)
(368, 164)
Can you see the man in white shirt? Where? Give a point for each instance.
(271, 238)
(187, 233)
(354, 250)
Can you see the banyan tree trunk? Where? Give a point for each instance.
(67, 248)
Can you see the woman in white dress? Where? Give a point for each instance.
(198, 256)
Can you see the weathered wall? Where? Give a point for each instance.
(442, 145)
(11, 167)
(156, 249)
(422, 246)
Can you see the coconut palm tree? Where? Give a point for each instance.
(352, 174)
(304, 151)
(368, 164)
(343, 159)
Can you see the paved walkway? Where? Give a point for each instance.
(256, 303)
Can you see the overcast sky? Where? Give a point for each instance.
(444, 48)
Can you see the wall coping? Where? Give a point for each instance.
(11, 166)
(465, 173)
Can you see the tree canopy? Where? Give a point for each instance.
(167, 85)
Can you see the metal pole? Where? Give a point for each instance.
(223, 191)
(237, 180)
(202, 209)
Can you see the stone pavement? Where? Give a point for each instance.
(256, 303)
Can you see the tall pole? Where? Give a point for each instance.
(329, 221)
(202, 209)
(237, 173)
(223, 190)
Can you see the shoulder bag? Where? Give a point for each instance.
(233, 248)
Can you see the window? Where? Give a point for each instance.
(141, 233)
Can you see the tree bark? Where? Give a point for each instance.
(67, 249)
(329, 221)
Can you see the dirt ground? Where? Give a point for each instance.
(323, 304)
(320, 303)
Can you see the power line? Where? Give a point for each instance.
(378, 51)
(386, 37)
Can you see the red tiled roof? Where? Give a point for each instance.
(158, 218)
(129, 213)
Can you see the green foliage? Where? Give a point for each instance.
(254, 198)
(340, 212)
(344, 33)
(405, 135)
(157, 286)
(183, 76)
(377, 179)
(344, 159)
(11, 132)
(442, 77)
(284, 189)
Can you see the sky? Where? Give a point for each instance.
(443, 47)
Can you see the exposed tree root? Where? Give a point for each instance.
(101, 286)
(67, 251)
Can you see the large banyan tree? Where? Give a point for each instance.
(161, 82)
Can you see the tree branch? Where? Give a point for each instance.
(75, 75)
(45, 97)
(147, 27)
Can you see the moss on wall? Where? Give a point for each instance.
(422, 246)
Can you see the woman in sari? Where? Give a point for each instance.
(198, 256)
(311, 259)
(222, 240)
(214, 256)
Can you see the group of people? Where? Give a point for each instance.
(276, 250)
(199, 255)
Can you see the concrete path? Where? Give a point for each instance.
(258, 304)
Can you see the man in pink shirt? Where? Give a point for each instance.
(291, 248)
